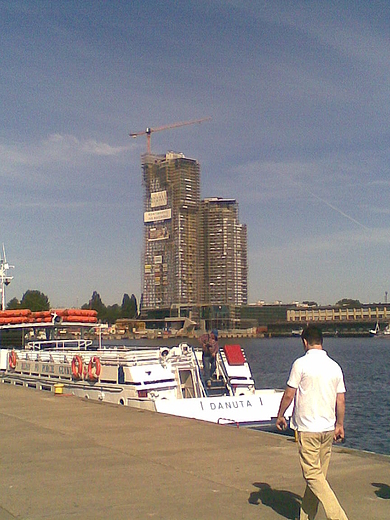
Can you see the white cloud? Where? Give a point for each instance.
(59, 148)
(95, 148)
(59, 145)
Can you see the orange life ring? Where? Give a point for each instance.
(77, 367)
(12, 359)
(94, 368)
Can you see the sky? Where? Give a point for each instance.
(299, 99)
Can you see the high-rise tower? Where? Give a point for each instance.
(224, 251)
(171, 221)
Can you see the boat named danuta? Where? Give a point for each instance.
(165, 379)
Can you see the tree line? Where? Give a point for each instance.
(37, 301)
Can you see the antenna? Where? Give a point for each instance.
(4, 278)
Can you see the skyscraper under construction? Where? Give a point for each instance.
(195, 252)
(171, 219)
(224, 266)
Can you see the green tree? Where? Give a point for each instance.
(129, 306)
(347, 302)
(113, 313)
(95, 303)
(13, 304)
(35, 301)
(135, 306)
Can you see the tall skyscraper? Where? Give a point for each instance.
(195, 252)
(224, 251)
(171, 218)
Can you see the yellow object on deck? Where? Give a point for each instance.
(58, 388)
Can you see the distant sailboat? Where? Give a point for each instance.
(375, 332)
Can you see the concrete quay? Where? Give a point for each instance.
(67, 458)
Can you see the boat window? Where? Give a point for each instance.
(121, 375)
(186, 384)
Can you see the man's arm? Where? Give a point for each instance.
(340, 413)
(203, 339)
(214, 347)
(287, 399)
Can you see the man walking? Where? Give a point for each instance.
(316, 383)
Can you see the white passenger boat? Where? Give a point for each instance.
(165, 379)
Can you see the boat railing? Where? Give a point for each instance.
(199, 377)
(222, 367)
(110, 356)
(46, 356)
(59, 344)
(134, 357)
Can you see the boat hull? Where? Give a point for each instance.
(258, 409)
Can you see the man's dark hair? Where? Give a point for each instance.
(312, 335)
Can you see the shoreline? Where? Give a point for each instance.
(155, 334)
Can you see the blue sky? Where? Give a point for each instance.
(299, 95)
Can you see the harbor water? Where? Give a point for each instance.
(366, 366)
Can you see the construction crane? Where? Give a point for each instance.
(149, 131)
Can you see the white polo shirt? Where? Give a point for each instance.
(318, 379)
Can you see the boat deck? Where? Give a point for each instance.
(64, 457)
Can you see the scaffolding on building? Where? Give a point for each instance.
(171, 207)
(195, 252)
(225, 253)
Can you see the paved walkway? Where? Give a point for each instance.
(65, 458)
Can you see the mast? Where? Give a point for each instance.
(4, 278)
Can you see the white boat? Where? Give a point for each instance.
(161, 378)
(377, 332)
(297, 333)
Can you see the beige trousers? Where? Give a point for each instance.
(314, 456)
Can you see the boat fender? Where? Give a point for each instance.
(77, 367)
(94, 368)
(12, 359)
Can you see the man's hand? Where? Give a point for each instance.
(287, 399)
(281, 423)
(340, 412)
(339, 434)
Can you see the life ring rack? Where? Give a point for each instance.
(94, 368)
(77, 367)
(12, 359)
(165, 354)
